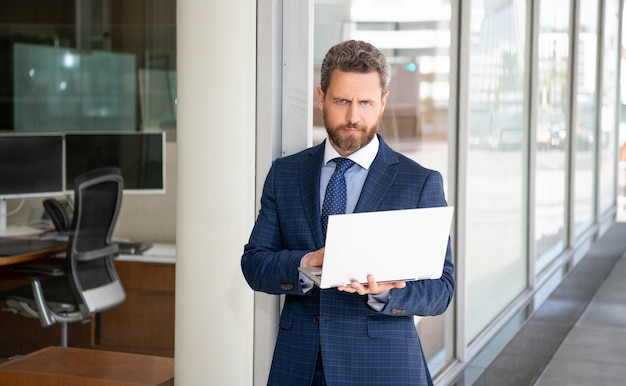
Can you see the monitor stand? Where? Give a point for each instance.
(13, 230)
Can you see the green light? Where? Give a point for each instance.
(412, 67)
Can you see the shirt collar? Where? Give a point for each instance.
(364, 156)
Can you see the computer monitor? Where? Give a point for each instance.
(139, 155)
(31, 165)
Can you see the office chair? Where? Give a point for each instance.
(58, 214)
(88, 282)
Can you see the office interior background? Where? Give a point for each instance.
(518, 103)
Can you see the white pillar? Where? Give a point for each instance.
(216, 190)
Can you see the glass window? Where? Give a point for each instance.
(552, 111)
(586, 112)
(621, 174)
(608, 112)
(60, 89)
(416, 41)
(104, 66)
(496, 177)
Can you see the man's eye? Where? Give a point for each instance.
(366, 103)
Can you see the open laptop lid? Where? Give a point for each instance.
(408, 244)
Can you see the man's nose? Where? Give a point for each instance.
(353, 115)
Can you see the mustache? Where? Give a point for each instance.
(350, 126)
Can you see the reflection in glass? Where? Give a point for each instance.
(553, 73)
(416, 41)
(59, 89)
(495, 228)
(585, 126)
(157, 94)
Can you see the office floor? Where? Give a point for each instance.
(594, 350)
(577, 336)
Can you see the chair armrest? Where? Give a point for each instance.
(109, 250)
(40, 269)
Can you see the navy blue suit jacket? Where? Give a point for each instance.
(360, 346)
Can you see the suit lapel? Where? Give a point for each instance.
(310, 187)
(379, 179)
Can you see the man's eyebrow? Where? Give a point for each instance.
(350, 99)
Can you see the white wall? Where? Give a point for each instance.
(215, 191)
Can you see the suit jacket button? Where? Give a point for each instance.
(286, 286)
(316, 319)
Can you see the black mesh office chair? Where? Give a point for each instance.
(88, 282)
(57, 213)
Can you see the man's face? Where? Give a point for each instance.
(353, 107)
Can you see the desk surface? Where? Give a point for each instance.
(22, 250)
(62, 366)
(159, 254)
(16, 250)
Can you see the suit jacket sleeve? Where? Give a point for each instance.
(426, 297)
(272, 256)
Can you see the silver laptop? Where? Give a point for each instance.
(408, 244)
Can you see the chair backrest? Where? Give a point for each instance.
(58, 215)
(97, 202)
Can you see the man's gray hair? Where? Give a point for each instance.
(355, 56)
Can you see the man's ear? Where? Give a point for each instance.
(320, 97)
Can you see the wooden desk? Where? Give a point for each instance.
(149, 283)
(63, 366)
(150, 296)
(35, 249)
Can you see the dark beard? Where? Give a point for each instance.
(351, 144)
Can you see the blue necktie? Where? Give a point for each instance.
(335, 197)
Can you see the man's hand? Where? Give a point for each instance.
(314, 259)
(372, 287)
